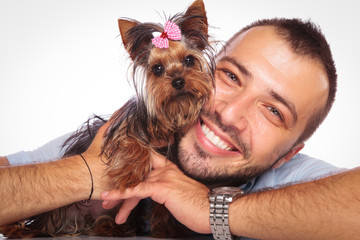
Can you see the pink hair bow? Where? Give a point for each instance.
(171, 31)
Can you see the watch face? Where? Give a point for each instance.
(227, 190)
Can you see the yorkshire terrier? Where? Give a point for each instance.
(173, 78)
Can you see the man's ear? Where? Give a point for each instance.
(289, 155)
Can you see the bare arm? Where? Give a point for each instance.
(324, 209)
(32, 189)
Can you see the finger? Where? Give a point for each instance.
(110, 204)
(142, 190)
(157, 160)
(160, 174)
(125, 210)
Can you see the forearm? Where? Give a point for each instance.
(326, 208)
(36, 188)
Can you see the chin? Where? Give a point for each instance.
(200, 166)
(196, 164)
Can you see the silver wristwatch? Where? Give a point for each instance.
(220, 198)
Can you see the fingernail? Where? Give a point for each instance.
(117, 220)
(105, 194)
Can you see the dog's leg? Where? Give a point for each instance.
(130, 164)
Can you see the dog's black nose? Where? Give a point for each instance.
(178, 83)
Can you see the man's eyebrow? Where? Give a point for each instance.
(241, 67)
(289, 105)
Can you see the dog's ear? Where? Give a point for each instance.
(136, 38)
(124, 27)
(195, 25)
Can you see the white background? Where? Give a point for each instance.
(62, 60)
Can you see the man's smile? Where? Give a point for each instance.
(212, 141)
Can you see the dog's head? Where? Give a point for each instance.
(178, 76)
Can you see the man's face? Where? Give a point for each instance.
(264, 96)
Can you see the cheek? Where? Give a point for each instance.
(269, 145)
(222, 89)
(221, 96)
(265, 138)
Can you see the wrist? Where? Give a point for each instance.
(95, 175)
(91, 178)
(78, 176)
(234, 217)
(220, 199)
(241, 216)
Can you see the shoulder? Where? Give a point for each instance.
(303, 167)
(300, 168)
(50, 151)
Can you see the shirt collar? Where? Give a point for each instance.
(246, 187)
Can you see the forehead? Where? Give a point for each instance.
(176, 51)
(274, 65)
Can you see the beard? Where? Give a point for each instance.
(196, 163)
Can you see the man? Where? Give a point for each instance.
(272, 93)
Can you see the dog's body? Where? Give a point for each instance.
(178, 81)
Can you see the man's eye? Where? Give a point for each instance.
(276, 112)
(231, 76)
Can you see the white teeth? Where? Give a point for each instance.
(210, 135)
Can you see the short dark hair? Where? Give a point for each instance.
(306, 39)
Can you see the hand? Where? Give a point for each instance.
(157, 161)
(97, 163)
(184, 197)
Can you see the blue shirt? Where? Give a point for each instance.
(51, 151)
(300, 168)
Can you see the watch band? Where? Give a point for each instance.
(219, 212)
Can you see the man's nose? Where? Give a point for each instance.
(234, 111)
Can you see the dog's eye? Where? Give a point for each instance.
(189, 61)
(158, 69)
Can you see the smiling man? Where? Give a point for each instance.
(275, 83)
(266, 99)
